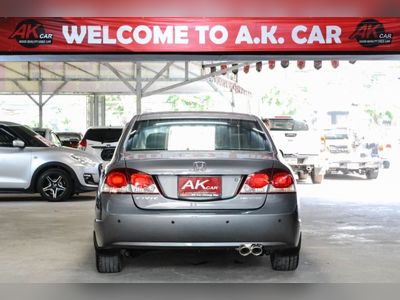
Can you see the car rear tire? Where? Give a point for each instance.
(316, 179)
(55, 185)
(285, 261)
(108, 262)
(372, 174)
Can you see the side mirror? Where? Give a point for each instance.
(18, 144)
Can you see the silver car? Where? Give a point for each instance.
(197, 180)
(48, 134)
(29, 163)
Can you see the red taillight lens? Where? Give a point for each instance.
(256, 183)
(388, 146)
(142, 183)
(83, 144)
(116, 180)
(128, 181)
(141, 180)
(257, 180)
(282, 180)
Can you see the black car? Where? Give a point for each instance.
(70, 139)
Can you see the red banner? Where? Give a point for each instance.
(188, 35)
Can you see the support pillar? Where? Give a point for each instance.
(139, 92)
(40, 103)
(96, 110)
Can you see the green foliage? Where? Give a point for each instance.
(114, 105)
(66, 122)
(377, 116)
(195, 103)
(285, 105)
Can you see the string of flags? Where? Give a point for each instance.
(301, 64)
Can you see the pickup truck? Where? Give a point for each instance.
(349, 154)
(302, 147)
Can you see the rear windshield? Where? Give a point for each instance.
(287, 125)
(104, 135)
(68, 136)
(197, 135)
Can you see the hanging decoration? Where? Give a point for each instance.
(246, 68)
(301, 64)
(223, 69)
(317, 64)
(213, 69)
(335, 64)
(285, 64)
(259, 66)
(271, 64)
(235, 69)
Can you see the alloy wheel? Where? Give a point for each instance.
(54, 186)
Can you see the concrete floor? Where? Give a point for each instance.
(351, 233)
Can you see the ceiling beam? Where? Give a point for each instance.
(15, 71)
(202, 77)
(22, 89)
(120, 77)
(158, 75)
(56, 91)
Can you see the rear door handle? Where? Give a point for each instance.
(290, 134)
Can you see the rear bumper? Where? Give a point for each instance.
(197, 230)
(307, 163)
(353, 166)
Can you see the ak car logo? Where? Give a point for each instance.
(371, 33)
(31, 34)
(199, 166)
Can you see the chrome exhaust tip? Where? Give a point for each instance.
(256, 250)
(244, 250)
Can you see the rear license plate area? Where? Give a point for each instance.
(199, 187)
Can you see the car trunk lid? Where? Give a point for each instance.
(198, 179)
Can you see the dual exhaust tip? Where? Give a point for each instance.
(247, 249)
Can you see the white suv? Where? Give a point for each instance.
(29, 163)
(101, 141)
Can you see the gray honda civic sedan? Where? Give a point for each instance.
(197, 180)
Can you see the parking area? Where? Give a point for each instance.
(351, 230)
(193, 133)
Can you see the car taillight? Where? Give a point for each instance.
(128, 182)
(116, 182)
(280, 182)
(82, 144)
(388, 146)
(256, 183)
(116, 179)
(143, 183)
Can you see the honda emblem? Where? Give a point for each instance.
(199, 166)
